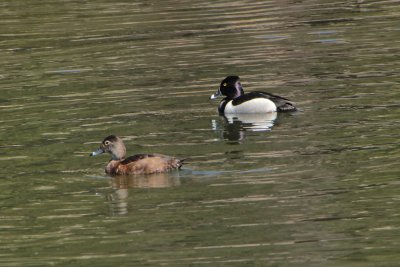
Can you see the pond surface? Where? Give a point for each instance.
(319, 187)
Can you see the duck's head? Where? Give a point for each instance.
(230, 87)
(114, 145)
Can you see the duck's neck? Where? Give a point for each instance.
(236, 91)
(119, 152)
(117, 157)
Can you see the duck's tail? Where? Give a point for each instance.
(181, 162)
(287, 107)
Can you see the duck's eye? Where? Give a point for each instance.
(224, 84)
(107, 143)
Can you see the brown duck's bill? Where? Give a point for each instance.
(217, 94)
(97, 152)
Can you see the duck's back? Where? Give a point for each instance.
(261, 98)
(147, 164)
(282, 104)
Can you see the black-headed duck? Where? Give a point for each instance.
(236, 101)
(137, 164)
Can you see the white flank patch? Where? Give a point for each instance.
(257, 105)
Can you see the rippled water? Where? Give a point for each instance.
(316, 188)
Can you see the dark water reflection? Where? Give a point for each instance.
(316, 188)
(233, 127)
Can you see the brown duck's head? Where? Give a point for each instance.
(230, 87)
(114, 145)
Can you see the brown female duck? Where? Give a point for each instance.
(137, 164)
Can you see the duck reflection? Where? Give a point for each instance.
(234, 126)
(118, 198)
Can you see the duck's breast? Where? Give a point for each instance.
(113, 166)
(255, 105)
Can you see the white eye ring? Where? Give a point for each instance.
(107, 143)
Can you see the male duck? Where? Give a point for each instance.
(137, 164)
(236, 101)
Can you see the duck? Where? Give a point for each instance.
(136, 164)
(238, 102)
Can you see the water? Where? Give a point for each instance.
(314, 188)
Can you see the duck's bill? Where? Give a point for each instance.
(97, 152)
(216, 95)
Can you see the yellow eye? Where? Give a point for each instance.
(224, 84)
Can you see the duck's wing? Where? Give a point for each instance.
(282, 104)
(135, 158)
(149, 163)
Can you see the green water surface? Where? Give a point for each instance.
(319, 187)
